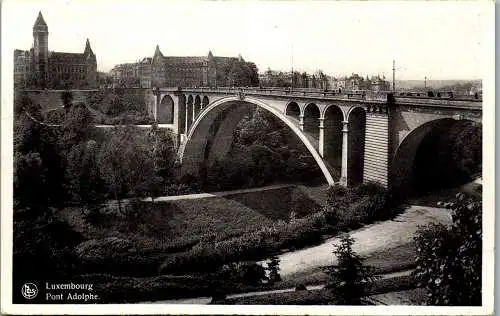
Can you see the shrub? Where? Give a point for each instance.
(273, 267)
(362, 204)
(350, 278)
(449, 261)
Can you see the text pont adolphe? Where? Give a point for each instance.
(70, 292)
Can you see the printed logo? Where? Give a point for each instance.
(29, 291)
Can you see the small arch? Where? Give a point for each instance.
(311, 120)
(352, 109)
(165, 114)
(182, 114)
(197, 105)
(205, 102)
(332, 145)
(293, 109)
(336, 107)
(189, 112)
(356, 145)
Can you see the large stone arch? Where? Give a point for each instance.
(165, 113)
(226, 113)
(333, 118)
(406, 169)
(356, 118)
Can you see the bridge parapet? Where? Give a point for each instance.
(463, 103)
(368, 96)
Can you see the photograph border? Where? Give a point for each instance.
(488, 122)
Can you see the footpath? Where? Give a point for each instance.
(375, 238)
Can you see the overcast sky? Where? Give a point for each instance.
(440, 40)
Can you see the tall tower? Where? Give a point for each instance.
(41, 50)
(91, 61)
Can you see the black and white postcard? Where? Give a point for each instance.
(253, 157)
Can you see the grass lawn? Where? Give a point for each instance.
(161, 225)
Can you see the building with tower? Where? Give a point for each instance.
(186, 71)
(41, 68)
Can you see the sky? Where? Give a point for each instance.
(437, 40)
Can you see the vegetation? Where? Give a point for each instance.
(238, 73)
(273, 267)
(119, 106)
(349, 279)
(71, 163)
(449, 261)
(362, 204)
(64, 175)
(264, 150)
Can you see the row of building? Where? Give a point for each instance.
(41, 68)
(185, 71)
(319, 80)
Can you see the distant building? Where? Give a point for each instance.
(41, 68)
(273, 78)
(356, 82)
(183, 71)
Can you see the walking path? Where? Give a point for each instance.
(206, 300)
(372, 238)
(207, 195)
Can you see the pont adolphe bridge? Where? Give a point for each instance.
(369, 136)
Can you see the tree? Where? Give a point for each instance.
(126, 164)
(82, 172)
(77, 127)
(162, 150)
(449, 261)
(67, 98)
(32, 136)
(350, 278)
(30, 183)
(273, 267)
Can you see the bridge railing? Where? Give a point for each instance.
(377, 96)
(295, 92)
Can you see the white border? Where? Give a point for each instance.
(488, 58)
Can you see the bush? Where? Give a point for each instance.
(42, 250)
(352, 207)
(449, 261)
(273, 267)
(362, 204)
(209, 256)
(349, 279)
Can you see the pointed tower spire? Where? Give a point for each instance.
(210, 55)
(158, 52)
(88, 49)
(40, 24)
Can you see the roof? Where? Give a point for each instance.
(66, 57)
(40, 23)
(185, 59)
(19, 52)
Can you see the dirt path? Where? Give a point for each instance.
(369, 239)
(205, 195)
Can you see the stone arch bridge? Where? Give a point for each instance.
(368, 136)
